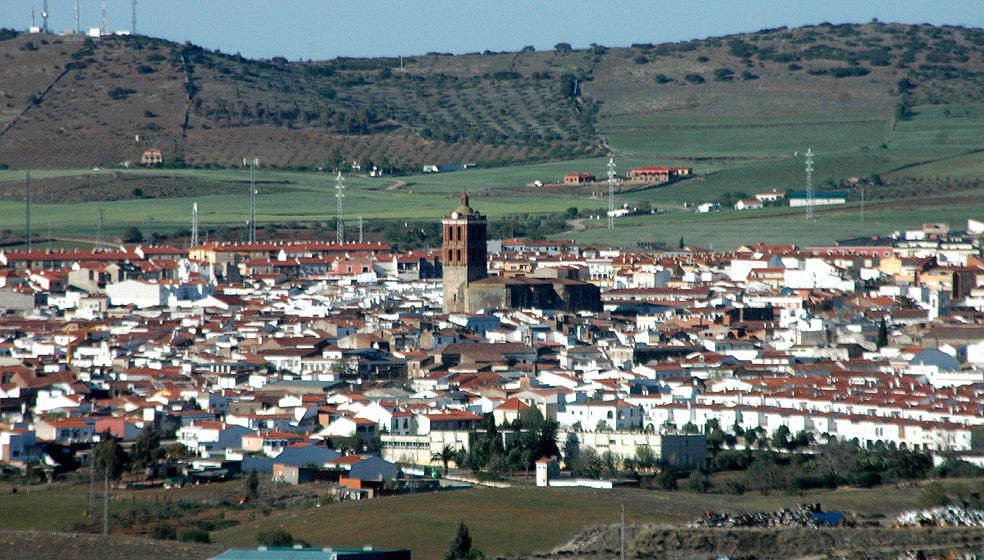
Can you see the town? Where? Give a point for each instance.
(293, 358)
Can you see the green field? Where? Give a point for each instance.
(938, 145)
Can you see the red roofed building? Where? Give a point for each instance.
(659, 174)
(578, 178)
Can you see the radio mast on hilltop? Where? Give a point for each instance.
(102, 30)
(133, 17)
(339, 196)
(810, 202)
(77, 28)
(611, 193)
(44, 16)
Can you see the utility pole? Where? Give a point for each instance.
(622, 556)
(252, 197)
(611, 193)
(339, 221)
(194, 225)
(27, 210)
(809, 186)
(99, 230)
(92, 483)
(862, 203)
(360, 229)
(106, 501)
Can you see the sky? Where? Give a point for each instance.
(320, 29)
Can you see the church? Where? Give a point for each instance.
(469, 289)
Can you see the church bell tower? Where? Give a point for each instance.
(463, 254)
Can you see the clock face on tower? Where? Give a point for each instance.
(454, 215)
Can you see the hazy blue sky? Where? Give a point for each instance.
(328, 28)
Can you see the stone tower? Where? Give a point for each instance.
(463, 254)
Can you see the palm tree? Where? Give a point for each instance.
(445, 456)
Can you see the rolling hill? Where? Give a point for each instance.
(890, 110)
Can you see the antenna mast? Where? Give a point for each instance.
(102, 30)
(611, 193)
(340, 196)
(44, 16)
(133, 17)
(27, 210)
(77, 28)
(810, 203)
(194, 225)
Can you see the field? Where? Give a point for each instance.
(527, 520)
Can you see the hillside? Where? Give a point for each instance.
(70, 102)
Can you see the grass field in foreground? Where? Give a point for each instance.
(526, 520)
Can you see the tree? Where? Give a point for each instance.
(147, 448)
(110, 455)
(690, 428)
(780, 439)
(644, 457)
(682, 243)
(252, 484)
(445, 455)
(882, 334)
(563, 47)
(132, 235)
(460, 546)
(715, 440)
(572, 449)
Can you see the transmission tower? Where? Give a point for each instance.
(27, 210)
(194, 225)
(252, 197)
(339, 196)
(611, 193)
(99, 229)
(360, 229)
(44, 16)
(810, 202)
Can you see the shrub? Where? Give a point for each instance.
(195, 535)
(164, 532)
(694, 78)
(661, 79)
(275, 537)
(698, 482)
(666, 480)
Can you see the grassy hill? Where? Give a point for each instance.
(889, 109)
